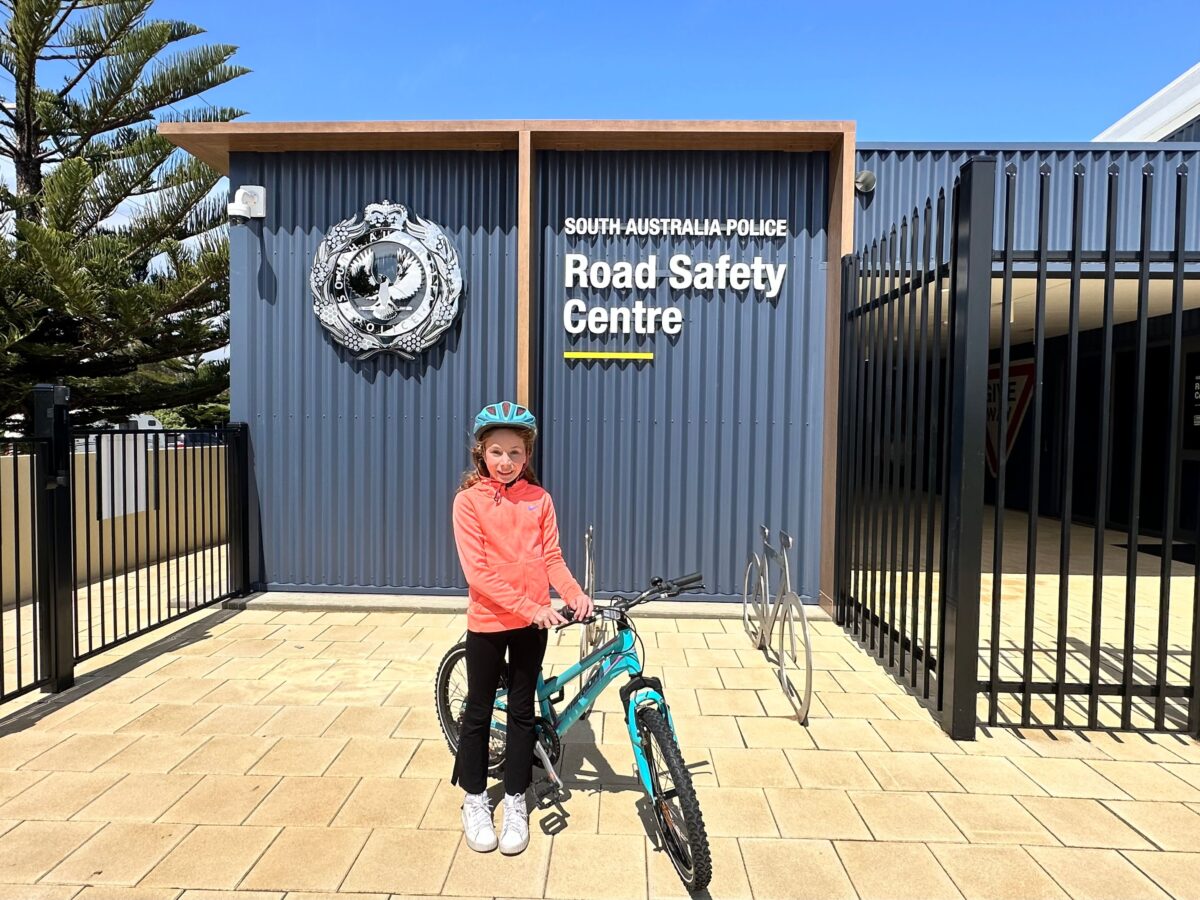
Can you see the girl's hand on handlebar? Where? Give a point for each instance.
(546, 617)
(581, 606)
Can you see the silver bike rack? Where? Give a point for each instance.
(767, 618)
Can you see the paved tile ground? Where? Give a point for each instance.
(267, 754)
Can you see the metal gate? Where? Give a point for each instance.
(1014, 427)
(108, 534)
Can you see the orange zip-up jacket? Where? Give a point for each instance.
(507, 539)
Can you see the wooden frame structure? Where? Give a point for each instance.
(213, 143)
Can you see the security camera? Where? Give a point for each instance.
(249, 202)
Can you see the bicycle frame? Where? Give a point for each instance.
(617, 657)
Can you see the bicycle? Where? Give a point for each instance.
(660, 767)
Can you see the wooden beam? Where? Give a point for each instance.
(526, 321)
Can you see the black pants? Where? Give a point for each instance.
(485, 665)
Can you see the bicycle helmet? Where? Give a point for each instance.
(504, 415)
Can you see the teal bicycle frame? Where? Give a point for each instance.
(615, 658)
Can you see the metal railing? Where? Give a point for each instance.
(106, 535)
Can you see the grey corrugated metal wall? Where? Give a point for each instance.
(678, 460)
(908, 174)
(355, 464)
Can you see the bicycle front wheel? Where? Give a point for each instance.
(450, 700)
(676, 808)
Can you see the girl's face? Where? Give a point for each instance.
(504, 454)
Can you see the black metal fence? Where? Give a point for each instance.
(1020, 455)
(914, 360)
(106, 535)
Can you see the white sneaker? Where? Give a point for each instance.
(477, 823)
(514, 834)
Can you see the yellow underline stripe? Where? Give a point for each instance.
(601, 354)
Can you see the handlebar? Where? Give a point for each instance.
(659, 589)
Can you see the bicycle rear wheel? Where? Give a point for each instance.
(450, 700)
(673, 798)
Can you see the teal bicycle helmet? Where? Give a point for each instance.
(504, 415)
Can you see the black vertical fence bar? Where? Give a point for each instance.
(125, 517)
(136, 563)
(888, 459)
(1068, 460)
(175, 543)
(921, 428)
(861, 338)
(1039, 377)
(98, 446)
(159, 439)
(1172, 461)
(876, 410)
(944, 449)
(908, 341)
(842, 461)
(41, 467)
(1193, 708)
(87, 536)
(1106, 378)
(16, 469)
(935, 436)
(973, 228)
(1006, 300)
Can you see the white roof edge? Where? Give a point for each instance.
(1167, 111)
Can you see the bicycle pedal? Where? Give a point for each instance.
(546, 793)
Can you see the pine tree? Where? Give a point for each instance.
(114, 272)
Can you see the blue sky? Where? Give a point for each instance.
(906, 71)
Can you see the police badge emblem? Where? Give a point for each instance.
(388, 282)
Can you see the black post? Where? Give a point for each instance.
(56, 588)
(238, 508)
(973, 228)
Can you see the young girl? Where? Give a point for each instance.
(507, 537)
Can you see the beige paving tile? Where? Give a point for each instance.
(1069, 778)
(835, 769)
(752, 768)
(845, 734)
(1131, 746)
(984, 873)
(1189, 772)
(1172, 826)
(1084, 823)
(307, 859)
(687, 678)
(30, 850)
(672, 640)
(387, 803)
(923, 877)
(80, 753)
(303, 801)
(997, 742)
(478, 874)
(19, 747)
(902, 816)
(221, 800)
(226, 754)
(421, 722)
(430, 760)
(744, 679)
(110, 892)
(296, 693)
(120, 854)
(1095, 874)
(867, 683)
(154, 753)
(404, 861)
(726, 702)
(1062, 744)
(988, 775)
(168, 718)
(234, 719)
(139, 797)
(728, 873)
(813, 813)
(714, 659)
(707, 731)
(105, 717)
(59, 795)
(181, 690)
(214, 857)
(355, 721)
(39, 891)
(916, 736)
(772, 868)
(373, 756)
(908, 771)
(1145, 780)
(1176, 873)
(736, 812)
(991, 819)
(581, 867)
(301, 721)
(299, 756)
(777, 733)
(841, 705)
(13, 783)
